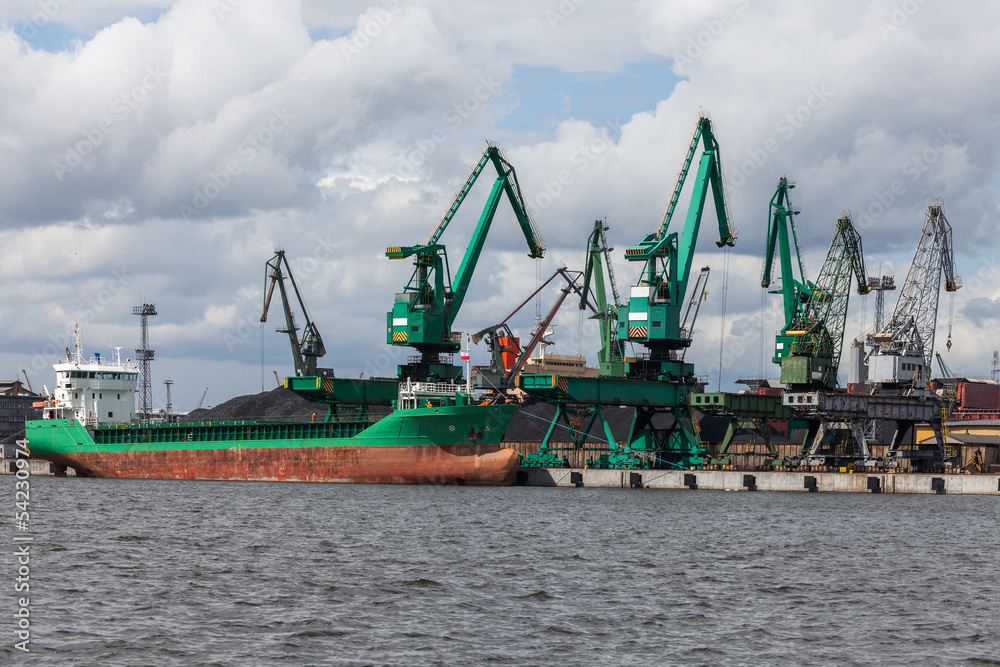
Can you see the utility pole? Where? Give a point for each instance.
(143, 356)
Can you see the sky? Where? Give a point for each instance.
(160, 152)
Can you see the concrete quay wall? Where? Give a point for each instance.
(36, 467)
(728, 480)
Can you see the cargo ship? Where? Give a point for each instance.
(434, 434)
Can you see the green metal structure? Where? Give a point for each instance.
(745, 412)
(795, 292)
(310, 347)
(424, 312)
(652, 316)
(818, 332)
(659, 383)
(612, 355)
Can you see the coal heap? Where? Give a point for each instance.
(278, 402)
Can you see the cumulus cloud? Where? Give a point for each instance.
(178, 144)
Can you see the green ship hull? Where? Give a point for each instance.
(448, 444)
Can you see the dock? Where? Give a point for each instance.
(737, 480)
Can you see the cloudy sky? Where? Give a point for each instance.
(159, 152)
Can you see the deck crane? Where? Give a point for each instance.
(507, 357)
(795, 292)
(310, 347)
(424, 312)
(652, 316)
(611, 358)
(901, 352)
(817, 333)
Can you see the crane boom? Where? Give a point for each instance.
(781, 234)
(818, 332)
(424, 313)
(652, 316)
(612, 355)
(310, 347)
(542, 325)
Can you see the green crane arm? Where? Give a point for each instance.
(463, 275)
(611, 355)
(423, 314)
(819, 330)
(306, 351)
(493, 153)
(652, 317)
(781, 225)
(703, 130)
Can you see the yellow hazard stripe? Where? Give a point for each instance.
(637, 332)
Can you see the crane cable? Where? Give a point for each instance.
(725, 290)
(262, 356)
(951, 317)
(763, 329)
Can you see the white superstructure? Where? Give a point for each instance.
(95, 391)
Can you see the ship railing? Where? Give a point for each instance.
(413, 394)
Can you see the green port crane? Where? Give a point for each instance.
(657, 385)
(795, 292)
(611, 358)
(652, 316)
(817, 333)
(424, 312)
(310, 347)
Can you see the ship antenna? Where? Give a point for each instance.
(468, 376)
(79, 345)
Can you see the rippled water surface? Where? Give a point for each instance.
(127, 572)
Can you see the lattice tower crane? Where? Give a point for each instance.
(818, 332)
(901, 352)
(611, 358)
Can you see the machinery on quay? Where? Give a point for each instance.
(424, 312)
(900, 352)
(507, 357)
(817, 332)
(898, 363)
(657, 383)
(795, 292)
(809, 344)
(611, 357)
(307, 349)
